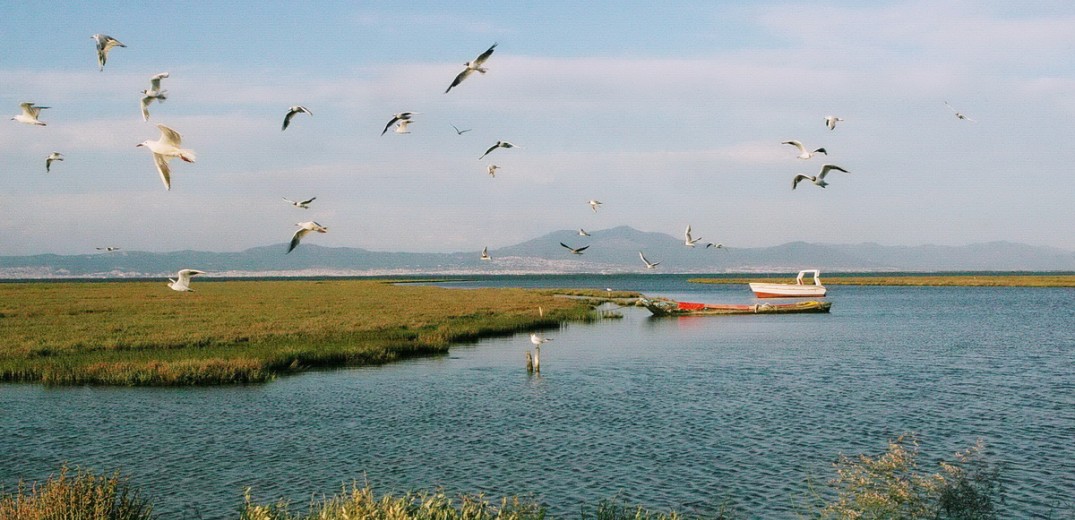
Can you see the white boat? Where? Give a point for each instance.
(791, 290)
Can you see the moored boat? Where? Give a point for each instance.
(792, 290)
(664, 307)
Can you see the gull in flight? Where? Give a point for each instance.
(485, 254)
(108, 249)
(830, 121)
(29, 114)
(104, 44)
(818, 179)
(583, 233)
(165, 149)
(304, 228)
(687, 240)
(575, 251)
(492, 170)
(959, 115)
(154, 92)
(54, 156)
(304, 204)
(472, 66)
(649, 265)
(460, 132)
(291, 113)
(402, 116)
(803, 154)
(401, 127)
(594, 203)
(711, 244)
(499, 144)
(183, 282)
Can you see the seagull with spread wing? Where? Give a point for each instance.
(472, 66)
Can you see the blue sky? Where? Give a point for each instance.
(671, 114)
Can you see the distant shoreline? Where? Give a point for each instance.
(919, 280)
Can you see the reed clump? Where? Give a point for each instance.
(80, 495)
(235, 332)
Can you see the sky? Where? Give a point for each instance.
(670, 113)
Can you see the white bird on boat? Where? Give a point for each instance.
(649, 265)
(803, 154)
(574, 250)
(304, 204)
(153, 93)
(54, 156)
(105, 44)
(29, 114)
(499, 144)
(183, 282)
(485, 254)
(492, 170)
(594, 203)
(818, 179)
(959, 115)
(687, 240)
(472, 66)
(297, 109)
(165, 149)
(830, 122)
(402, 116)
(583, 233)
(304, 228)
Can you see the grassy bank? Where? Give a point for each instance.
(983, 280)
(142, 333)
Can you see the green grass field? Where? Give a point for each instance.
(984, 280)
(142, 333)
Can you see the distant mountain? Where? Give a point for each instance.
(610, 251)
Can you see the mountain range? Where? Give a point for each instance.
(610, 251)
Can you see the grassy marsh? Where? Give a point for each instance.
(141, 333)
(960, 280)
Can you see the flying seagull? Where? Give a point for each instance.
(29, 114)
(154, 92)
(472, 66)
(687, 240)
(304, 228)
(818, 179)
(711, 244)
(402, 116)
(54, 156)
(304, 204)
(291, 113)
(104, 44)
(485, 254)
(183, 282)
(649, 265)
(460, 132)
(499, 144)
(165, 149)
(959, 114)
(830, 121)
(401, 127)
(803, 154)
(574, 251)
(594, 203)
(108, 249)
(492, 170)
(583, 233)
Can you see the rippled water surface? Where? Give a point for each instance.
(671, 413)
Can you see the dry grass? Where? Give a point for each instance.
(983, 280)
(82, 496)
(142, 333)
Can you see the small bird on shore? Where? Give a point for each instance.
(165, 149)
(818, 179)
(687, 240)
(649, 265)
(54, 156)
(402, 116)
(304, 229)
(104, 44)
(153, 93)
(29, 114)
(304, 204)
(959, 115)
(485, 254)
(297, 109)
(803, 154)
(575, 250)
(499, 144)
(472, 66)
(182, 284)
(830, 122)
(594, 203)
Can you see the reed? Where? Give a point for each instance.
(976, 280)
(82, 495)
(139, 333)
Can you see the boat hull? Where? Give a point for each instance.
(787, 290)
(674, 308)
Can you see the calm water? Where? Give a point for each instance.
(669, 413)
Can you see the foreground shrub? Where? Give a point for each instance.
(82, 496)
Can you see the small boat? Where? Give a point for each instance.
(664, 307)
(791, 290)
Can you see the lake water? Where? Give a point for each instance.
(681, 414)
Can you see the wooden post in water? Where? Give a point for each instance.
(529, 363)
(537, 359)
